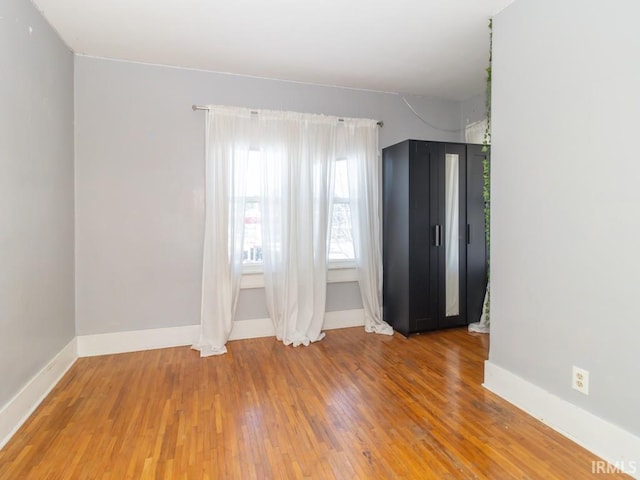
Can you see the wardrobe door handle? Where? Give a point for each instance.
(468, 234)
(436, 235)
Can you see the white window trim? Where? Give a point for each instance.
(339, 272)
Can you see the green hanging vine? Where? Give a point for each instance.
(487, 132)
(486, 168)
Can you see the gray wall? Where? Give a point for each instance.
(473, 109)
(565, 200)
(139, 182)
(36, 195)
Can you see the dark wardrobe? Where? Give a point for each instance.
(434, 246)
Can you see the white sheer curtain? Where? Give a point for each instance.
(228, 133)
(474, 132)
(297, 155)
(298, 151)
(361, 138)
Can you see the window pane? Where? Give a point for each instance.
(254, 174)
(341, 239)
(342, 180)
(252, 248)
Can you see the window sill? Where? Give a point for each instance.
(339, 272)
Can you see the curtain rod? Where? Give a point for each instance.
(202, 107)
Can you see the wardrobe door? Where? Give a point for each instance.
(452, 254)
(476, 239)
(423, 268)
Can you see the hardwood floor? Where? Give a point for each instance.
(354, 405)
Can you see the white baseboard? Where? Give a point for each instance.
(343, 319)
(132, 341)
(254, 328)
(136, 340)
(18, 409)
(263, 327)
(606, 440)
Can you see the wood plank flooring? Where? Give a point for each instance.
(354, 405)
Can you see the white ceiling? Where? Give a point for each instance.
(423, 47)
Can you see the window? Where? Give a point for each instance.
(341, 235)
(252, 248)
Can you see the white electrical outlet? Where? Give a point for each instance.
(580, 380)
